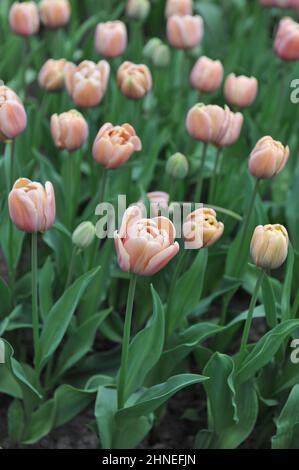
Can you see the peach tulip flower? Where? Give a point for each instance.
(213, 124)
(87, 82)
(202, 229)
(135, 81)
(111, 38)
(240, 91)
(55, 13)
(286, 42)
(185, 32)
(269, 246)
(32, 206)
(158, 200)
(114, 145)
(69, 130)
(24, 18)
(144, 246)
(268, 158)
(207, 75)
(51, 75)
(13, 118)
(178, 7)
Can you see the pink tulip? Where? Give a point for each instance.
(207, 75)
(114, 145)
(144, 246)
(202, 229)
(178, 7)
(268, 158)
(13, 118)
(158, 200)
(111, 38)
(69, 130)
(280, 3)
(240, 91)
(213, 124)
(24, 18)
(51, 75)
(185, 32)
(87, 82)
(55, 13)
(32, 206)
(135, 81)
(286, 43)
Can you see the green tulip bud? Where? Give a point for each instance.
(177, 166)
(161, 56)
(83, 235)
(138, 9)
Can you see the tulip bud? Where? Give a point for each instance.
(185, 32)
(135, 81)
(150, 47)
(111, 38)
(286, 43)
(207, 75)
(51, 75)
(268, 158)
(24, 18)
(69, 130)
(177, 166)
(240, 91)
(202, 229)
(55, 13)
(269, 246)
(32, 206)
(114, 145)
(178, 7)
(161, 56)
(138, 9)
(84, 235)
(13, 118)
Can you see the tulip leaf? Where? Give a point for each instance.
(46, 278)
(287, 285)
(269, 302)
(287, 423)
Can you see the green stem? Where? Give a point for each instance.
(10, 229)
(121, 392)
(248, 322)
(96, 244)
(198, 189)
(35, 316)
(214, 176)
(71, 269)
(171, 296)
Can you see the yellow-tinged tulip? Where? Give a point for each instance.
(269, 246)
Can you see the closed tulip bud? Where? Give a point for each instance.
(178, 7)
(138, 9)
(135, 81)
(84, 235)
(150, 47)
(32, 206)
(213, 124)
(144, 246)
(269, 246)
(286, 43)
(69, 130)
(185, 32)
(161, 56)
(177, 166)
(207, 75)
(202, 229)
(240, 91)
(51, 75)
(114, 145)
(87, 82)
(55, 13)
(268, 158)
(111, 38)
(24, 18)
(13, 118)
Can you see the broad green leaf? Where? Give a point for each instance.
(45, 280)
(15, 421)
(287, 423)
(287, 285)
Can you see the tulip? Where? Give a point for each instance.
(269, 246)
(114, 145)
(280, 3)
(202, 229)
(185, 32)
(178, 7)
(144, 246)
(268, 158)
(84, 235)
(158, 202)
(87, 82)
(13, 118)
(51, 75)
(207, 75)
(286, 43)
(69, 130)
(150, 47)
(32, 206)
(111, 38)
(135, 81)
(24, 18)
(213, 124)
(161, 56)
(177, 166)
(55, 13)
(138, 9)
(240, 91)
